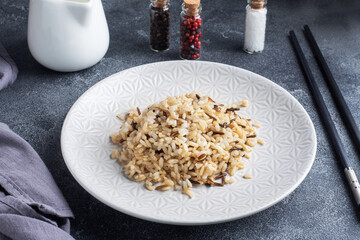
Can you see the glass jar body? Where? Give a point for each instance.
(159, 25)
(255, 24)
(190, 33)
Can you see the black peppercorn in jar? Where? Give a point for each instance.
(190, 29)
(159, 25)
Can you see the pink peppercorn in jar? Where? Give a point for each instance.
(190, 29)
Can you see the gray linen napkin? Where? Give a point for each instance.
(8, 69)
(31, 204)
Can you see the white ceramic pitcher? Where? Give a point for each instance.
(67, 35)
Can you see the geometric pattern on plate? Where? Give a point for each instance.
(277, 168)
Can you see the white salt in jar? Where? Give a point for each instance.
(255, 24)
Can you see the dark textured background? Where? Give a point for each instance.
(320, 208)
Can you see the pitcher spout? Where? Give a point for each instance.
(80, 10)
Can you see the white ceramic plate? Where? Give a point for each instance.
(277, 168)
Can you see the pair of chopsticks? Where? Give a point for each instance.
(324, 113)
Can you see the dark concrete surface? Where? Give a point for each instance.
(320, 208)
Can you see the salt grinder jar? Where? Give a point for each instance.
(255, 24)
(190, 29)
(159, 25)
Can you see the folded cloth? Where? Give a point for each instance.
(31, 204)
(8, 69)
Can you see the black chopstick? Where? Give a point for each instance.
(334, 89)
(326, 118)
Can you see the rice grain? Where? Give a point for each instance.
(183, 140)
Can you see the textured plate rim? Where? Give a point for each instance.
(182, 222)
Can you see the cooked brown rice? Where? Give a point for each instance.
(184, 140)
